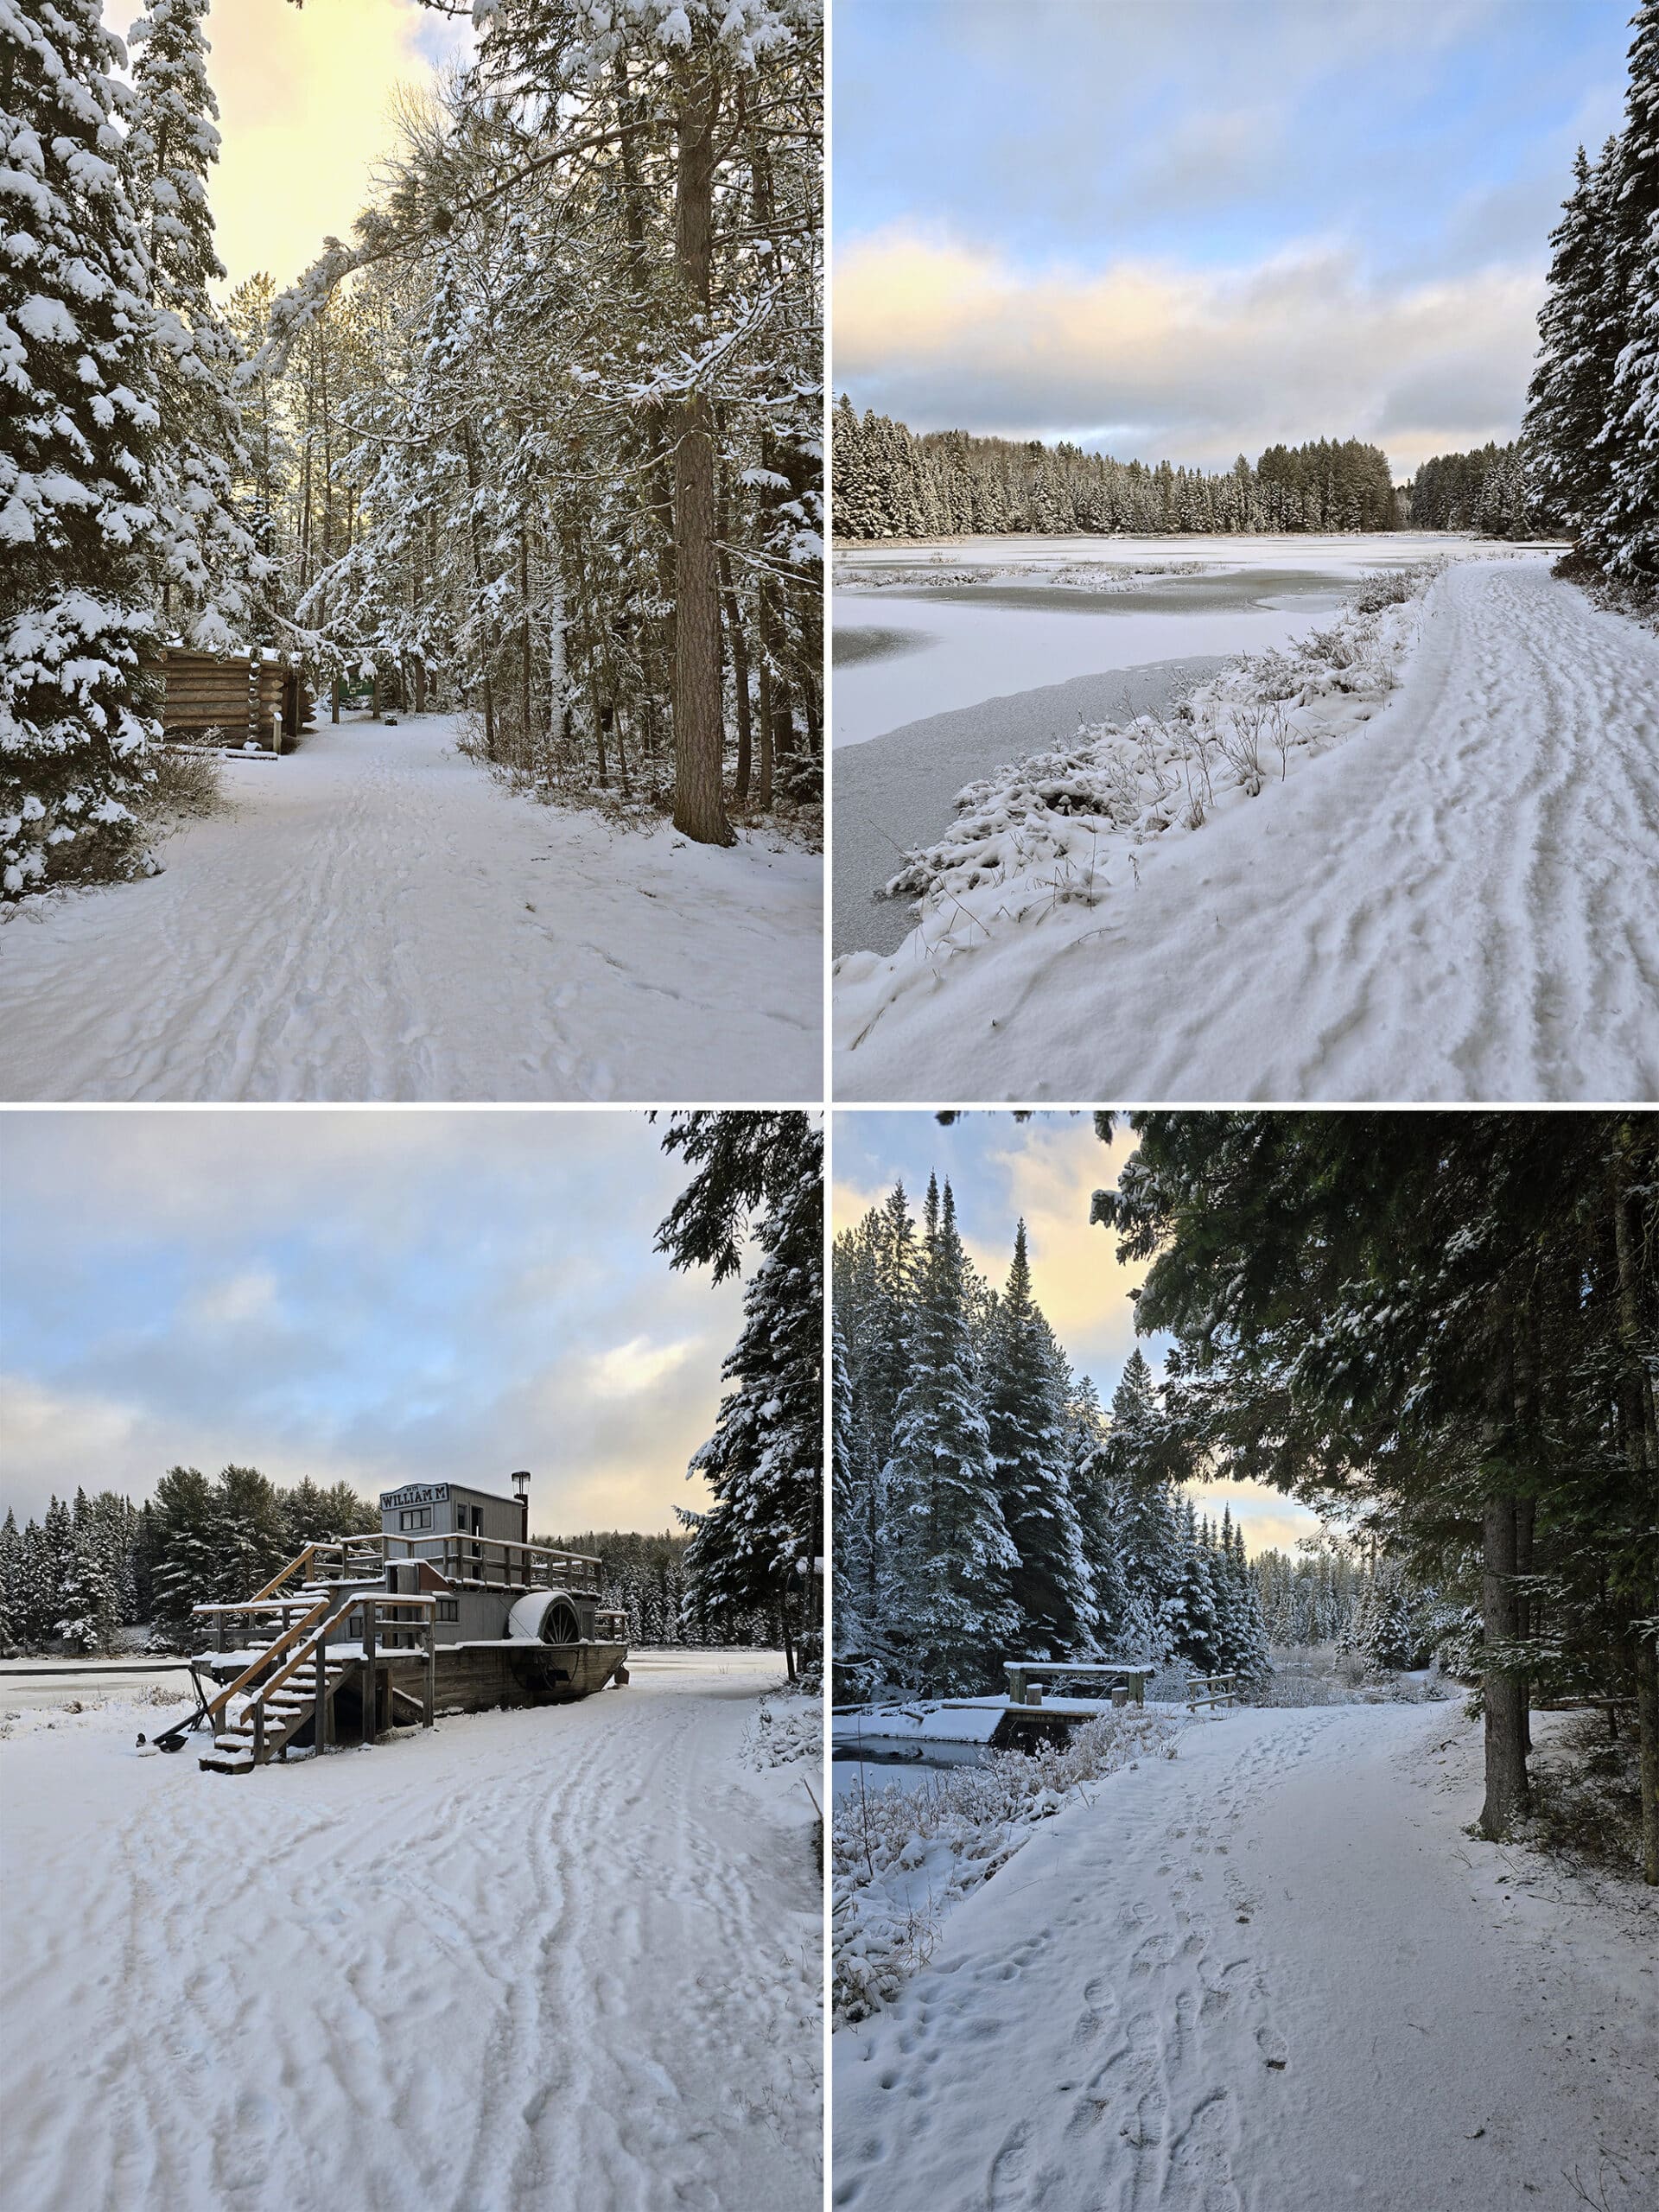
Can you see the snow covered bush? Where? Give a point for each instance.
(78, 423)
(1047, 829)
(899, 1857)
(786, 1729)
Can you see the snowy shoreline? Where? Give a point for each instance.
(1453, 909)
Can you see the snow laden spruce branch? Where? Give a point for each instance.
(900, 1857)
(120, 458)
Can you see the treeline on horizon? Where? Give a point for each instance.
(892, 482)
(95, 1566)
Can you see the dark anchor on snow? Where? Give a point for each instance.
(171, 1739)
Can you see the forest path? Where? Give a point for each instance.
(466, 1970)
(379, 919)
(1458, 903)
(1269, 1975)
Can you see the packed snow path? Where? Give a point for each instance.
(529, 1959)
(1458, 902)
(378, 918)
(1269, 1975)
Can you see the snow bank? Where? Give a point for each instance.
(1050, 830)
(900, 1857)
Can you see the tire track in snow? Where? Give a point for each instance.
(452, 1971)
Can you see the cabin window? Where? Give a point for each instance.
(449, 1609)
(415, 1516)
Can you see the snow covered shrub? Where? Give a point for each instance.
(899, 1857)
(78, 420)
(1038, 828)
(785, 1729)
(185, 783)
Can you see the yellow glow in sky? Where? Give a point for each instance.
(302, 111)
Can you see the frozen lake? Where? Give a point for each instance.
(954, 657)
(923, 628)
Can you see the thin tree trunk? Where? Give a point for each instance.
(470, 452)
(738, 644)
(1504, 1695)
(699, 733)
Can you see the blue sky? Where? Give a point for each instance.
(1047, 1170)
(376, 1296)
(1183, 227)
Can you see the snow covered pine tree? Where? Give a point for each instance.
(78, 434)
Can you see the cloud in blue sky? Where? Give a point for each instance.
(1184, 228)
(376, 1296)
(1046, 1171)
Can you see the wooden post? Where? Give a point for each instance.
(219, 1620)
(428, 1695)
(374, 696)
(371, 1717)
(1140, 1689)
(320, 1723)
(333, 701)
(259, 1731)
(253, 696)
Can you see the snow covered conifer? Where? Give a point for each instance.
(1024, 1412)
(207, 554)
(757, 1543)
(1627, 534)
(949, 1564)
(78, 423)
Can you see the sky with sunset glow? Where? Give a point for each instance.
(303, 98)
(376, 1297)
(1047, 1170)
(1185, 229)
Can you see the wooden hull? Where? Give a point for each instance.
(477, 1678)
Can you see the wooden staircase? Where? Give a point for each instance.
(292, 1682)
(285, 1712)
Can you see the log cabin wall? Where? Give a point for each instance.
(230, 699)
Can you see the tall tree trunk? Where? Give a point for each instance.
(1504, 1694)
(699, 732)
(1641, 1450)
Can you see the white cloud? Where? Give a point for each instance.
(234, 1301)
(625, 1370)
(1151, 360)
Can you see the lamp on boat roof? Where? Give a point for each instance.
(521, 1491)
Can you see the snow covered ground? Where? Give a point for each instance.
(379, 919)
(528, 1960)
(1451, 897)
(1271, 1975)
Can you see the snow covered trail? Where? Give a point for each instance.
(528, 1958)
(1269, 1975)
(378, 918)
(1458, 902)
